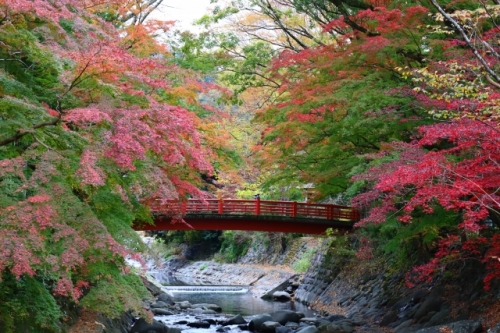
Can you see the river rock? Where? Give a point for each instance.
(207, 306)
(199, 324)
(278, 288)
(308, 329)
(463, 326)
(284, 316)
(431, 303)
(142, 326)
(174, 330)
(196, 311)
(283, 329)
(403, 326)
(159, 304)
(236, 320)
(281, 296)
(244, 327)
(162, 312)
(310, 320)
(333, 318)
(164, 297)
(183, 305)
(316, 321)
(292, 325)
(269, 326)
(256, 322)
(151, 284)
(339, 326)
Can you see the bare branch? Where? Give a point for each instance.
(462, 32)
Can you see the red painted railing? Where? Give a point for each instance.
(257, 207)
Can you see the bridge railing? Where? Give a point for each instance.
(258, 207)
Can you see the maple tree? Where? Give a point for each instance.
(94, 122)
(395, 105)
(450, 165)
(377, 101)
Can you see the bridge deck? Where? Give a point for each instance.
(255, 215)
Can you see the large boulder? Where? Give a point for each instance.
(159, 304)
(337, 327)
(308, 329)
(142, 326)
(282, 296)
(269, 326)
(285, 316)
(199, 324)
(151, 284)
(183, 305)
(256, 322)
(236, 320)
(284, 329)
(162, 312)
(164, 297)
(335, 317)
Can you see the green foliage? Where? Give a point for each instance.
(170, 241)
(340, 248)
(302, 265)
(235, 244)
(408, 244)
(26, 305)
(32, 66)
(117, 294)
(67, 25)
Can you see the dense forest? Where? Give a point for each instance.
(390, 106)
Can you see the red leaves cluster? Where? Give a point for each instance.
(464, 177)
(454, 165)
(452, 249)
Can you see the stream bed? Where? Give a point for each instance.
(232, 299)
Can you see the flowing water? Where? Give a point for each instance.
(232, 299)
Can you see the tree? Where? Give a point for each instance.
(451, 165)
(93, 125)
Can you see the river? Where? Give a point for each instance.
(234, 300)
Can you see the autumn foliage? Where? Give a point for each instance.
(390, 106)
(94, 122)
(394, 108)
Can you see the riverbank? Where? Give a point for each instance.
(363, 294)
(370, 298)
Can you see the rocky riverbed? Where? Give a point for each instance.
(344, 303)
(174, 317)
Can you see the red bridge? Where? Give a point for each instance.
(255, 215)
